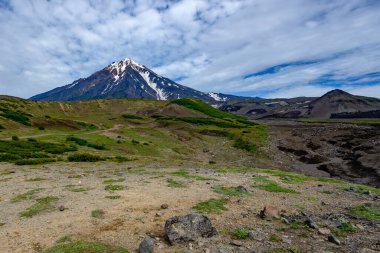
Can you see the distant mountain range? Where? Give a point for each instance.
(128, 79)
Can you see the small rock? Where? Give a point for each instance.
(333, 239)
(206, 250)
(285, 220)
(147, 245)
(241, 188)
(164, 206)
(359, 226)
(236, 243)
(270, 212)
(311, 224)
(324, 231)
(61, 208)
(323, 203)
(190, 246)
(158, 214)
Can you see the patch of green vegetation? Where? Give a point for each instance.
(114, 180)
(231, 191)
(174, 183)
(121, 159)
(369, 212)
(111, 187)
(83, 142)
(42, 205)
(274, 238)
(20, 150)
(184, 173)
(216, 206)
(296, 224)
(64, 239)
(264, 183)
(87, 126)
(84, 157)
(113, 197)
(98, 213)
(1, 127)
(235, 169)
(16, 116)
(363, 188)
(131, 116)
(244, 144)
(369, 122)
(296, 178)
(240, 233)
(35, 161)
(77, 189)
(26, 196)
(344, 229)
(85, 247)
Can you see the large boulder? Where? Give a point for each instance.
(188, 228)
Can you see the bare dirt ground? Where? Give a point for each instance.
(349, 152)
(138, 210)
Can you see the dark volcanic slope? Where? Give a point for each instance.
(126, 79)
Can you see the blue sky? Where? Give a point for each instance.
(267, 48)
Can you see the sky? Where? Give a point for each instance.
(265, 48)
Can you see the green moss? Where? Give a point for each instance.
(274, 238)
(111, 181)
(240, 233)
(98, 213)
(344, 229)
(367, 212)
(85, 247)
(231, 191)
(113, 197)
(114, 187)
(41, 205)
(216, 206)
(174, 183)
(266, 184)
(26, 196)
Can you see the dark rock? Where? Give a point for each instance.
(311, 224)
(164, 206)
(241, 189)
(147, 245)
(61, 208)
(333, 239)
(188, 228)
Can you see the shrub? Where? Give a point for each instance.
(131, 116)
(1, 127)
(111, 187)
(15, 138)
(41, 128)
(16, 116)
(85, 247)
(85, 158)
(240, 233)
(244, 145)
(79, 141)
(211, 206)
(35, 161)
(96, 146)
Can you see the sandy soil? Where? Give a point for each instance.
(128, 219)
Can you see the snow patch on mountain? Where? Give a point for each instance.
(159, 92)
(216, 97)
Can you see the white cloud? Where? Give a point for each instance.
(211, 45)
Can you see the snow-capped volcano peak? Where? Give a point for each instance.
(125, 79)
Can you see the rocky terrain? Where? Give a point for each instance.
(350, 152)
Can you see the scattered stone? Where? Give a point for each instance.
(190, 246)
(256, 235)
(324, 231)
(158, 214)
(241, 188)
(188, 228)
(323, 203)
(206, 250)
(270, 212)
(236, 243)
(359, 226)
(286, 240)
(147, 245)
(311, 224)
(164, 206)
(61, 208)
(285, 220)
(333, 239)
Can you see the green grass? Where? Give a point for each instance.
(83, 142)
(84, 157)
(98, 213)
(367, 212)
(174, 183)
(235, 169)
(296, 178)
(363, 188)
(296, 224)
(36, 179)
(370, 122)
(240, 233)
(244, 144)
(111, 187)
(78, 189)
(211, 206)
(114, 180)
(274, 238)
(17, 116)
(35, 161)
(344, 229)
(131, 116)
(26, 196)
(266, 184)
(185, 174)
(42, 205)
(231, 191)
(85, 247)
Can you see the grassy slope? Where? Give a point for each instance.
(134, 128)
